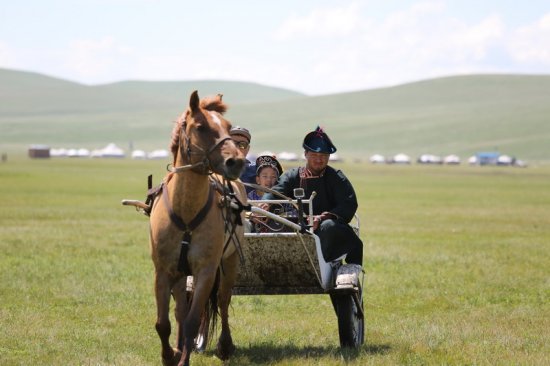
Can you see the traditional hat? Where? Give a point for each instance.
(318, 141)
(240, 131)
(270, 161)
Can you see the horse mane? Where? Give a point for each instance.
(212, 103)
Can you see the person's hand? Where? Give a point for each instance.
(264, 206)
(318, 219)
(316, 222)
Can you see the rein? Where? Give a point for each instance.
(269, 190)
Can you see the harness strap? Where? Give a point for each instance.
(178, 221)
(237, 214)
(183, 264)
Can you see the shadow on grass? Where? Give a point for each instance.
(268, 353)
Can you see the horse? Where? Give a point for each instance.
(193, 204)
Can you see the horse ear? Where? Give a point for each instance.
(194, 101)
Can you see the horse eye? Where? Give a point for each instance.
(202, 128)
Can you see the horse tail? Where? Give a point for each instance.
(212, 311)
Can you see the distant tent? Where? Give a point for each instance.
(78, 153)
(401, 159)
(429, 159)
(158, 154)
(112, 151)
(287, 156)
(451, 160)
(58, 153)
(97, 153)
(505, 160)
(377, 159)
(266, 152)
(139, 154)
(109, 151)
(334, 157)
(472, 160)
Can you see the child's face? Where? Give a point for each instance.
(267, 177)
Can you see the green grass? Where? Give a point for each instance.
(456, 263)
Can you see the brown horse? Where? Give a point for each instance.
(190, 226)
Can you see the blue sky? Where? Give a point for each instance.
(313, 46)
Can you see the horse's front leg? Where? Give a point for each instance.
(163, 327)
(225, 347)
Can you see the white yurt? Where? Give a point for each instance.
(451, 159)
(287, 156)
(112, 151)
(377, 159)
(139, 155)
(158, 154)
(401, 159)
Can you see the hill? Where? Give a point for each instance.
(459, 115)
(26, 93)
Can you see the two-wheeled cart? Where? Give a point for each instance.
(287, 259)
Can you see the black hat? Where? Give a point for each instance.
(270, 161)
(237, 130)
(318, 141)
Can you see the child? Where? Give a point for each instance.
(268, 170)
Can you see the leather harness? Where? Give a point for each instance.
(187, 228)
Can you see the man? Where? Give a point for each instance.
(241, 136)
(333, 207)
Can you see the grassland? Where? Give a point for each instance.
(456, 263)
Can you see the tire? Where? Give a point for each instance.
(351, 323)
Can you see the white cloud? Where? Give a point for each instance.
(91, 59)
(325, 22)
(531, 43)
(8, 58)
(473, 42)
(421, 41)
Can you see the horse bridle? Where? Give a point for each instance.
(187, 151)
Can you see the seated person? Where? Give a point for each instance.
(335, 204)
(268, 170)
(241, 136)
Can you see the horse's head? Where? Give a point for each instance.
(201, 135)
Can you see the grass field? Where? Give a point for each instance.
(456, 263)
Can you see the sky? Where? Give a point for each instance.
(313, 46)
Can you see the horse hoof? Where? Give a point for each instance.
(224, 353)
(174, 360)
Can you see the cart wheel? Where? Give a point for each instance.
(351, 322)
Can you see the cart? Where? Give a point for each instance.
(288, 260)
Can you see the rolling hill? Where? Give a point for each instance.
(459, 115)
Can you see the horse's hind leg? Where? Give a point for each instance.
(225, 347)
(163, 327)
(204, 282)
